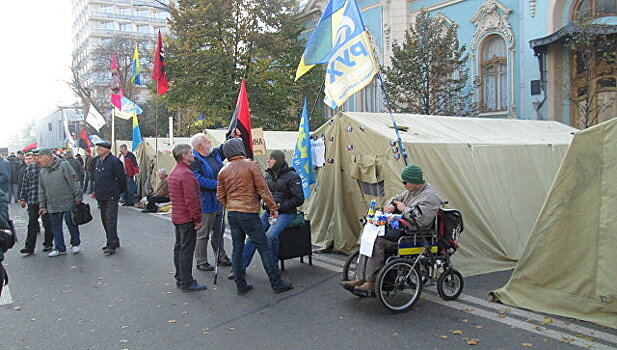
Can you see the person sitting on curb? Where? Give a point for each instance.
(160, 195)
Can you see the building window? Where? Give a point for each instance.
(107, 9)
(126, 11)
(162, 15)
(595, 8)
(108, 25)
(494, 74)
(128, 27)
(143, 29)
(143, 13)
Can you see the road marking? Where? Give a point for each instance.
(512, 322)
(5, 298)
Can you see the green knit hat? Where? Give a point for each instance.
(412, 174)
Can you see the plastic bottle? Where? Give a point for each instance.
(371, 208)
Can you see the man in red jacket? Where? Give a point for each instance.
(131, 168)
(186, 216)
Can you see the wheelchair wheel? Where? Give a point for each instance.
(450, 284)
(350, 269)
(398, 285)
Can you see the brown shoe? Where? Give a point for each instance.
(352, 284)
(368, 287)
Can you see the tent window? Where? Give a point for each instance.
(375, 190)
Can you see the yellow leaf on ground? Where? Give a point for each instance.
(473, 342)
(527, 345)
(171, 321)
(548, 320)
(443, 336)
(457, 332)
(479, 326)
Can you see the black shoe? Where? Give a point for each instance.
(231, 276)
(285, 286)
(47, 248)
(193, 287)
(205, 267)
(225, 262)
(148, 211)
(109, 251)
(104, 248)
(26, 252)
(127, 205)
(244, 290)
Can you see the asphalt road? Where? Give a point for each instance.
(129, 301)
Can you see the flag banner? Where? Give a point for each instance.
(128, 109)
(302, 157)
(67, 134)
(241, 120)
(95, 119)
(30, 147)
(350, 69)
(135, 68)
(95, 139)
(200, 121)
(84, 141)
(136, 133)
(159, 70)
(116, 85)
(340, 22)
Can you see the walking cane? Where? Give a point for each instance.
(218, 248)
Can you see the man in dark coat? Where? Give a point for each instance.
(109, 183)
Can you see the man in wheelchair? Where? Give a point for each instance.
(417, 193)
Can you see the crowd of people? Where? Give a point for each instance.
(200, 188)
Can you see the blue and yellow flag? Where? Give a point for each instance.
(136, 133)
(340, 22)
(135, 69)
(302, 159)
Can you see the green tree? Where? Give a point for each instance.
(429, 72)
(216, 43)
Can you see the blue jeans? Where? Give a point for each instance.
(131, 187)
(56, 227)
(272, 233)
(89, 183)
(241, 226)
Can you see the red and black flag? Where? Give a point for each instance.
(84, 141)
(158, 71)
(241, 120)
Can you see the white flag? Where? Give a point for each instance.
(95, 118)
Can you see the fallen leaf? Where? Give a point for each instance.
(457, 332)
(527, 345)
(479, 327)
(473, 342)
(124, 340)
(171, 321)
(443, 336)
(395, 334)
(17, 308)
(582, 336)
(465, 320)
(548, 320)
(529, 320)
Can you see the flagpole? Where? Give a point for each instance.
(113, 130)
(323, 86)
(398, 135)
(156, 126)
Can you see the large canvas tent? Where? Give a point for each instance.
(568, 265)
(496, 171)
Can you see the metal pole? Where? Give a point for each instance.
(113, 130)
(156, 126)
(316, 100)
(171, 131)
(398, 135)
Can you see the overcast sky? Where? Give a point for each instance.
(35, 60)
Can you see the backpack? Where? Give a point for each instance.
(450, 226)
(81, 214)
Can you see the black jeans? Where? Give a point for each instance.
(34, 228)
(249, 224)
(109, 217)
(152, 200)
(186, 236)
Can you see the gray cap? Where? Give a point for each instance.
(43, 152)
(105, 144)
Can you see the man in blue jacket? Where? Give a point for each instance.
(208, 162)
(109, 183)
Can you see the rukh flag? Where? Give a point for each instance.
(302, 158)
(128, 108)
(159, 71)
(135, 68)
(340, 22)
(241, 120)
(116, 85)
(136, 133)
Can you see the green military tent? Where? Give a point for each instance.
(496, 171)
(568, 265)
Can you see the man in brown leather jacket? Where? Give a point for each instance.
(240, 185)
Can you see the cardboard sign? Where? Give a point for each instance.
(259, 142)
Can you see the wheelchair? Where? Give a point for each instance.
(422, 258)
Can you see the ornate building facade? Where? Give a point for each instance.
(517, 55)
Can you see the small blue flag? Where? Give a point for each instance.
(302, 159)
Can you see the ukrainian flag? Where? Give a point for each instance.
(340, 22)
(135, 69)
(302, 159)
(136, 133)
